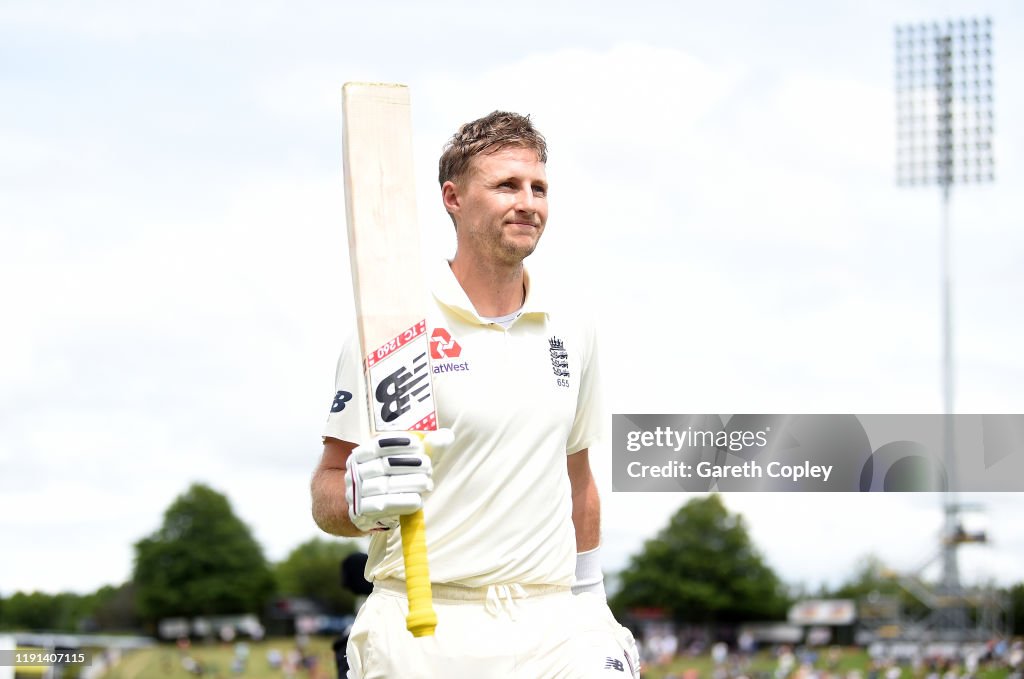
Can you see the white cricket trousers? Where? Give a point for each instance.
(500, 632)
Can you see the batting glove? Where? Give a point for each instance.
(595, 607)
(628, 644)
(387, 477)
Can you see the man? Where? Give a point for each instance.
(512, 512)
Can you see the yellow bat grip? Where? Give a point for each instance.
(422, 619)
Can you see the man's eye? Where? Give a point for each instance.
(505, 185)
(540, 190)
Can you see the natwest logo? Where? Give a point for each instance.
(443, 346)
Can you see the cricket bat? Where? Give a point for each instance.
(390, 292)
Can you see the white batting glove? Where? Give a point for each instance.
(595, 607)
(387, 477)
(632, 652)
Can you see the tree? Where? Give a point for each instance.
(70, 612)
(39, 610)
(703, 568)
(313, 570)
(114, 608)
(33, 611)
(1017, 608)
(872, 578)
(866, 578)
(202, 561)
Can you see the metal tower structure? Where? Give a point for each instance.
(944, 115)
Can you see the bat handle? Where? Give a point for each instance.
(422, 619)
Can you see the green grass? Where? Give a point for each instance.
(164, 661)
(849, 659)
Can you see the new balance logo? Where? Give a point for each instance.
(395, 391)
(340, 399)
(614, 664)
(443, 346)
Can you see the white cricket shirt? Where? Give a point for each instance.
(518, 400)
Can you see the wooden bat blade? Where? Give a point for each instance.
(384, 248)
(390, 293)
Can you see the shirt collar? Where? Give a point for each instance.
(448, 291)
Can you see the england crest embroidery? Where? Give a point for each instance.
(559, 361)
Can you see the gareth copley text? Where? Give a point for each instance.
(744, 470)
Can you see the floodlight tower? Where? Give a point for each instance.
(944, 137)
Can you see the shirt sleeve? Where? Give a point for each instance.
(586, 427)
(348, 419)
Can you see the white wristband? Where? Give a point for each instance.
(589, 577)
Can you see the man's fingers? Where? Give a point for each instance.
(389, 505)
(389, 446)
(406, 483)
(395, 441)
(440, 439)
(395, 465)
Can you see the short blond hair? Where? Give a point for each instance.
(495, 131)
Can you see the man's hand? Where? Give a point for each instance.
(594, 608)
(385, 479)
(629, 647)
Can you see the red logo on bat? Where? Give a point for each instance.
(443, 346)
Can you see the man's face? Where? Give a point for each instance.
(500, 205)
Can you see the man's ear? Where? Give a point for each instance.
(450, 197)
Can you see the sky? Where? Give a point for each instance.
(174, 263)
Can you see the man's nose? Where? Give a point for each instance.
(526, 201)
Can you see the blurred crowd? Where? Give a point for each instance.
(661, 648)
(293, 662)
